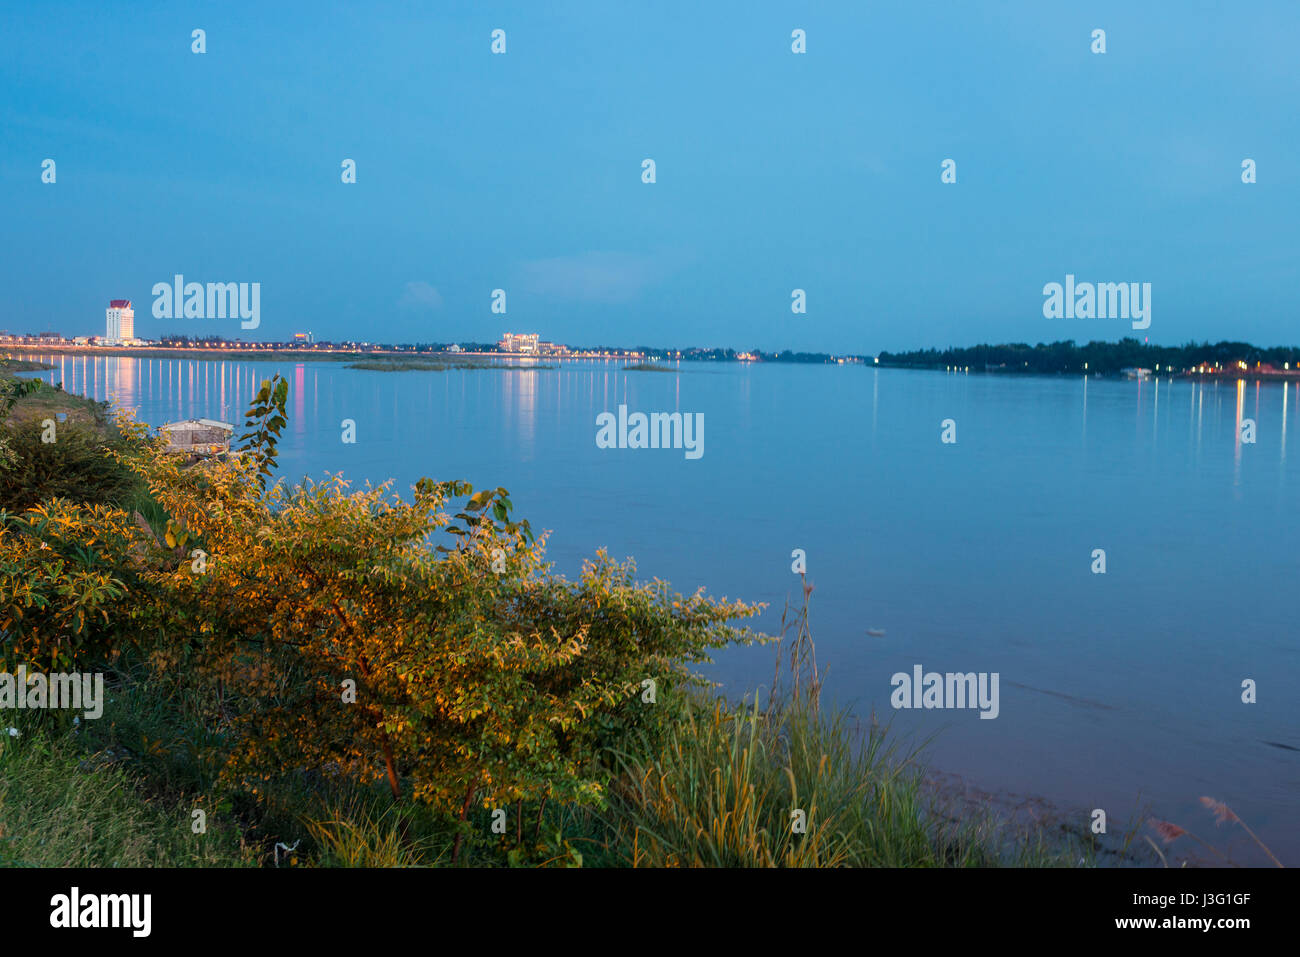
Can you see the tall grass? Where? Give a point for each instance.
(726, 789)
(792, 785)
(367, 833)
(60, 807)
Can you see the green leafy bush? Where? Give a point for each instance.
(70, 585)
(334, 637)
(75, 466)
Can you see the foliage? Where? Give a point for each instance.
(355, 834)
(265, 418)
(69, 577)
(14, 390)
(1097, 357)
(478, 675)
(792, 786)
(60, 807)
(11, 391)
(351, 633)
(74, 466)
(722, 790)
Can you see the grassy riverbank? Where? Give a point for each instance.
(122, 791)
(50, 401)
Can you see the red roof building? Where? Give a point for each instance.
(120, 325)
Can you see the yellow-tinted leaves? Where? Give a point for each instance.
(464, 676)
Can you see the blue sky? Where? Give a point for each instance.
(775, 171)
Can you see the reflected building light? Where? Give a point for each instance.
(1285, 387)
(1085, 407)
(1155, 417)
(521, 400)
(299, 387)
(1200, 417)
(1236, 449)
(875, 398)
(124, 380)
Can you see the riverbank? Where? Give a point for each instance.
(48, 401)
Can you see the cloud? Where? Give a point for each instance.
(591, 276)
(420, 295)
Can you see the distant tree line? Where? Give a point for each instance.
(1095, 357)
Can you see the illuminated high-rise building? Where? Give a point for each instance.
(121, 322)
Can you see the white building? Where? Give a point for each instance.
(524, 342)
(121, 322)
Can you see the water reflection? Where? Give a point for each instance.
(299, 394)
(1285, 387)
(1155, 416)
(520, 405)
(221, 388)
(1085, 408)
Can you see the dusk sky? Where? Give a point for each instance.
(775, 170)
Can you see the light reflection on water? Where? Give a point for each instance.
(971, 557)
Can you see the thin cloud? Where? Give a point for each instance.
(420, 295)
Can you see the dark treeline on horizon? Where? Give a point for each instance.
(1095, 357)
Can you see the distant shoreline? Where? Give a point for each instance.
(326, 354)
(1224, 361)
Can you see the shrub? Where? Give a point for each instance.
(70, 584)
(339, 639)
(75, 466)
(330, 637)
(466, 680)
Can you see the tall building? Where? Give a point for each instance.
(121, 322)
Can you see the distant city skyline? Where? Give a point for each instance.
(775, 172)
